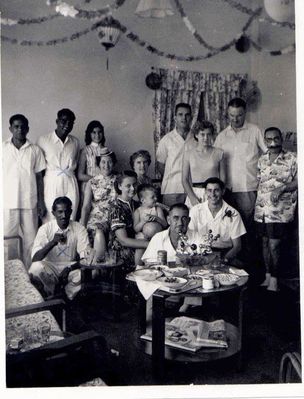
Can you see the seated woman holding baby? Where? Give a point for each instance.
(122, 234)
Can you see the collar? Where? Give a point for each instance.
(244, 127)
(220, 212)
(56, 227)
(130, 204)
(280, 155)
(26, 144)
(188, 137)
(55, 138)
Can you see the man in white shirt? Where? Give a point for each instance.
(57, 246)
(61, 151)
(242, 143)
(216, 215)
(167, 240)
(169, 155)
(23, 163)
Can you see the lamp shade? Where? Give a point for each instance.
(108, 33)
(154, 8)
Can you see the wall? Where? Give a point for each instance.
(38, 81)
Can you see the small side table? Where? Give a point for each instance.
(88, 282)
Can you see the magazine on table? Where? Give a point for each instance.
(190, 334)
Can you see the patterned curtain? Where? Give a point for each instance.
(213, 91)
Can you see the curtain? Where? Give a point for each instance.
(212, 91)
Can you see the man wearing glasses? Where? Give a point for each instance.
(276, 200)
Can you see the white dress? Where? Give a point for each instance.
(61, 162)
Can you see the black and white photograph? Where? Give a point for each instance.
(151, 197)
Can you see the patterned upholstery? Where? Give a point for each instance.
(19, 292)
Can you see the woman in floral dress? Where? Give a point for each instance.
(122, 234)
(99, 194)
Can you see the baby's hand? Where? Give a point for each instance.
(147, 217)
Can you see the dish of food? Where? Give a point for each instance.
(148, 274)
(173, 282)
(226, 279)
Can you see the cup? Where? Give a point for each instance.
(208, 283)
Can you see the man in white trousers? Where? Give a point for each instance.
(61, 151)
(23, 163)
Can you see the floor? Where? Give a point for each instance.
(271, 328)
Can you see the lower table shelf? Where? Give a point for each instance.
(204, 354)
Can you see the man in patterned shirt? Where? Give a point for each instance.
(276, 200)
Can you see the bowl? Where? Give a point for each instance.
(173, 282)
(226, 279)
(148, 274)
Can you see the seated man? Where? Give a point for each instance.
(58, 243)
(167, 240)
(216, 215)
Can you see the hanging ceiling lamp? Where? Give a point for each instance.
(108, 34)
(154, 8)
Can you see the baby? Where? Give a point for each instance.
(149, 218)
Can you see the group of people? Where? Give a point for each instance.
(239, 181)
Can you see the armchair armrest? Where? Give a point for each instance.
(54, 304)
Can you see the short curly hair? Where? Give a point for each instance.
(141, 153)
(200, 126)
(120, 178)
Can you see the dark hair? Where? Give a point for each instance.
(214, 180)
(142, 188)
(65, 111)
(200, 126)
(273, 128)
(61, 200)
(18, 117)
(182, 105)
(179, 205)
(91, 126)
(140, 153)
(120, 178)
(237, 102)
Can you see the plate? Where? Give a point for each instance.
(226, 279)
(148, 274)
(173, 282)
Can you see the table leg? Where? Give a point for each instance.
(158, 334)
(142, 315)
(240, 328)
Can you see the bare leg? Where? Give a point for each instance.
(100, 245)
(137, 257)
(274, 249)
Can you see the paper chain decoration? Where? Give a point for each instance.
(67, 10)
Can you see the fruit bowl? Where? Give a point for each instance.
(195, 260)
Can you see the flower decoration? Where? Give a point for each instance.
(229, 214)
(66, 10)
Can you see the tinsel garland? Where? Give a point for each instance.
(79, 13)
(52, 42)
(198, 37)
(142, 43)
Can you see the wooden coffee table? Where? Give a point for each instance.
(160, 352)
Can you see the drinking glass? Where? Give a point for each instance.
(44, 328)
